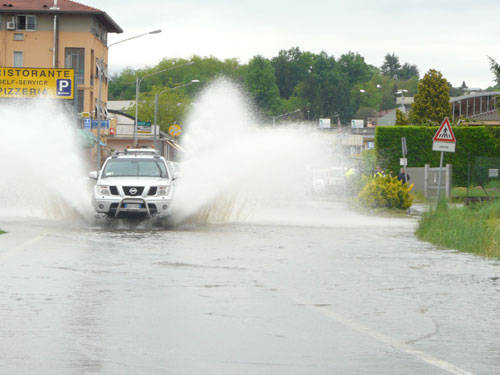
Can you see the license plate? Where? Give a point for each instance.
(133, 206)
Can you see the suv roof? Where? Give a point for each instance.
(142, 152)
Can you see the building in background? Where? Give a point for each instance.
(59, 34)
(121, 133)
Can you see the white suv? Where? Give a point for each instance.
(136, 182)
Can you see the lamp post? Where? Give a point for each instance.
(136, 36)
(157, 96)
(283, 115)
(138, 82)
(100, 72)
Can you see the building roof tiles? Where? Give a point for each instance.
(63, 6)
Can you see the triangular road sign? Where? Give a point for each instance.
(444, 133)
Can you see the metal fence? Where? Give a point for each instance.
(483, 173)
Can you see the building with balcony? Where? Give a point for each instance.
(59, 34)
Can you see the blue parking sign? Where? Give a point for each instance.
(64, 87)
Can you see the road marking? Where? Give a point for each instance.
(401, 346)
(378, 336)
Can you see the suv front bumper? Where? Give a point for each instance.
(137, 206)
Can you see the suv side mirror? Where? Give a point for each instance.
(93, 175)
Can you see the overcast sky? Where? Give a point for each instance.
(452, 36)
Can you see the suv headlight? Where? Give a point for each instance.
(163, 190)
(103, 190)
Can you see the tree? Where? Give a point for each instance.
(291, 67)
(401, 118)
(353, 65)
(260, 82)
(495, 69)
(410, 86)
(122, 86)
(432, 102)
(172, 105)
(365, 112)
(407, 71)
(205, 69)
(391, 66)
(326, 89)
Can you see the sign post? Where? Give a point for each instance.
(404, 161)
(444, 140)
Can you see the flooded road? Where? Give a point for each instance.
(312, 289)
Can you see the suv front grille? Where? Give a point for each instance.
(113, 190)
(152, 190)
(138, 190)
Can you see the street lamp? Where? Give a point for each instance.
(136, 36)
(138, 82)
(100, 72)
(283, 115)
(378, 86)
(157, 96)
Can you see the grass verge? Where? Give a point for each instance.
(474, 229)
(491, 189)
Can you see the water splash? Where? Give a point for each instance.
(234, 166)
(43, 173)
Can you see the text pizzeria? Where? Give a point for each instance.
(18, 91)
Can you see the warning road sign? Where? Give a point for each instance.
(444, 133)
(174, 130)
(444, 139)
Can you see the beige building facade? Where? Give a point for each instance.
(59, 34)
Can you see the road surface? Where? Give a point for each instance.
(312, 289)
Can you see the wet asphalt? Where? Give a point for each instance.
(311, 290)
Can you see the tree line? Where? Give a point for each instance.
(317, 84)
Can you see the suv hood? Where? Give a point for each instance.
(134, 181)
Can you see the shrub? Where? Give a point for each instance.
(385, 191)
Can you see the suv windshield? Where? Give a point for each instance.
(135, 168)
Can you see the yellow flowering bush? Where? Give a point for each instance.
(385, 191)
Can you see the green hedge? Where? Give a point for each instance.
(471, 142)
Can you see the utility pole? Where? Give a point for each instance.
(156, 126)
(100, 68)
(157, 96)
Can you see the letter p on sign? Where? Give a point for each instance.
(63, 87)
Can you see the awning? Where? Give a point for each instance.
(174, 145)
